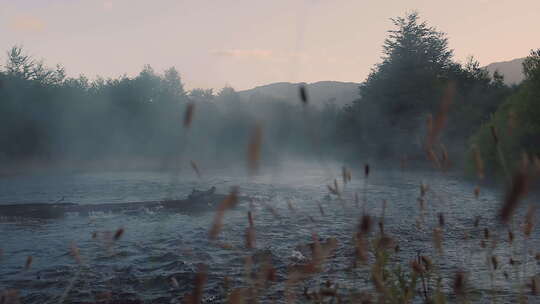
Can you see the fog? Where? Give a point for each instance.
(142, 121)
(134, 189)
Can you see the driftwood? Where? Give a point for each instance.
(58, 210)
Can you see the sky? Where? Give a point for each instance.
(247, 43)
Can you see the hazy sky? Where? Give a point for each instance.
(249, 43)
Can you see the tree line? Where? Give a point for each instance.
(417, 101)
(48, 117)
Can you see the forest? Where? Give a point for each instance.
(417, 102)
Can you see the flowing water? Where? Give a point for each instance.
(158, 246)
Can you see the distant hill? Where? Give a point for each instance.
(511, 70)
(319, 93)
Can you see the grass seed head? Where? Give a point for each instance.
(441, 219)
(428, 264)
(510, 236)
(476, 192)
(188, 115)
(303, 94)
(228, 203)
(195, 168)
(366, 170)
(75, 252)
(459, 283)
(417, 267)
(494, 262)
(518, 189)
(476, 221)
(254, 149)
(118, 234)
(494, 135)
(365, 224)
(478, 162)
(28, 263)
(437, 239)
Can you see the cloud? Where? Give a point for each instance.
(244, 53)
(27, 24)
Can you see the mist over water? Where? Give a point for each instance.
(159, 245)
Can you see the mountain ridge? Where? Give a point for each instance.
(319, 93)
(345, 92)
(511, 70)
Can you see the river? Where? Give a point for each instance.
(158, 246)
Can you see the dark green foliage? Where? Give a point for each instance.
(389, 119)
(517, 122)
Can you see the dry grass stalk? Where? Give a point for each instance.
(494, 262)
(403, 162)
(300, 272)
(476, 192)
(378, 282)
(272, 210)
(250, 237)
(476, 221)
(250, 219)
(200, 280)
(195, 168)
(417, 267)
(529, 220)
(535, 285)
(518, 189)
(423, 189)
(250, 232)
(266, 274)
(459, 284)
(188, 115)
(28, 263)
(437, 240)
(321, 209)
(361, 250)
(303, 94)
(365, 224)
(344, 175)
(236, 296)
(335, 189)
(366, 170)
(439, 121)
(174, 282)
(228, 203)
(478, 162)
(118, 234)
(494, 135)
(445, 160)
(512, 121)
(385, 243)
(290, 206)
(105, 296)
(432, 156)
(75, 252)
(10, 296)
(428, 264)
(254, 149)
(441, 219)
